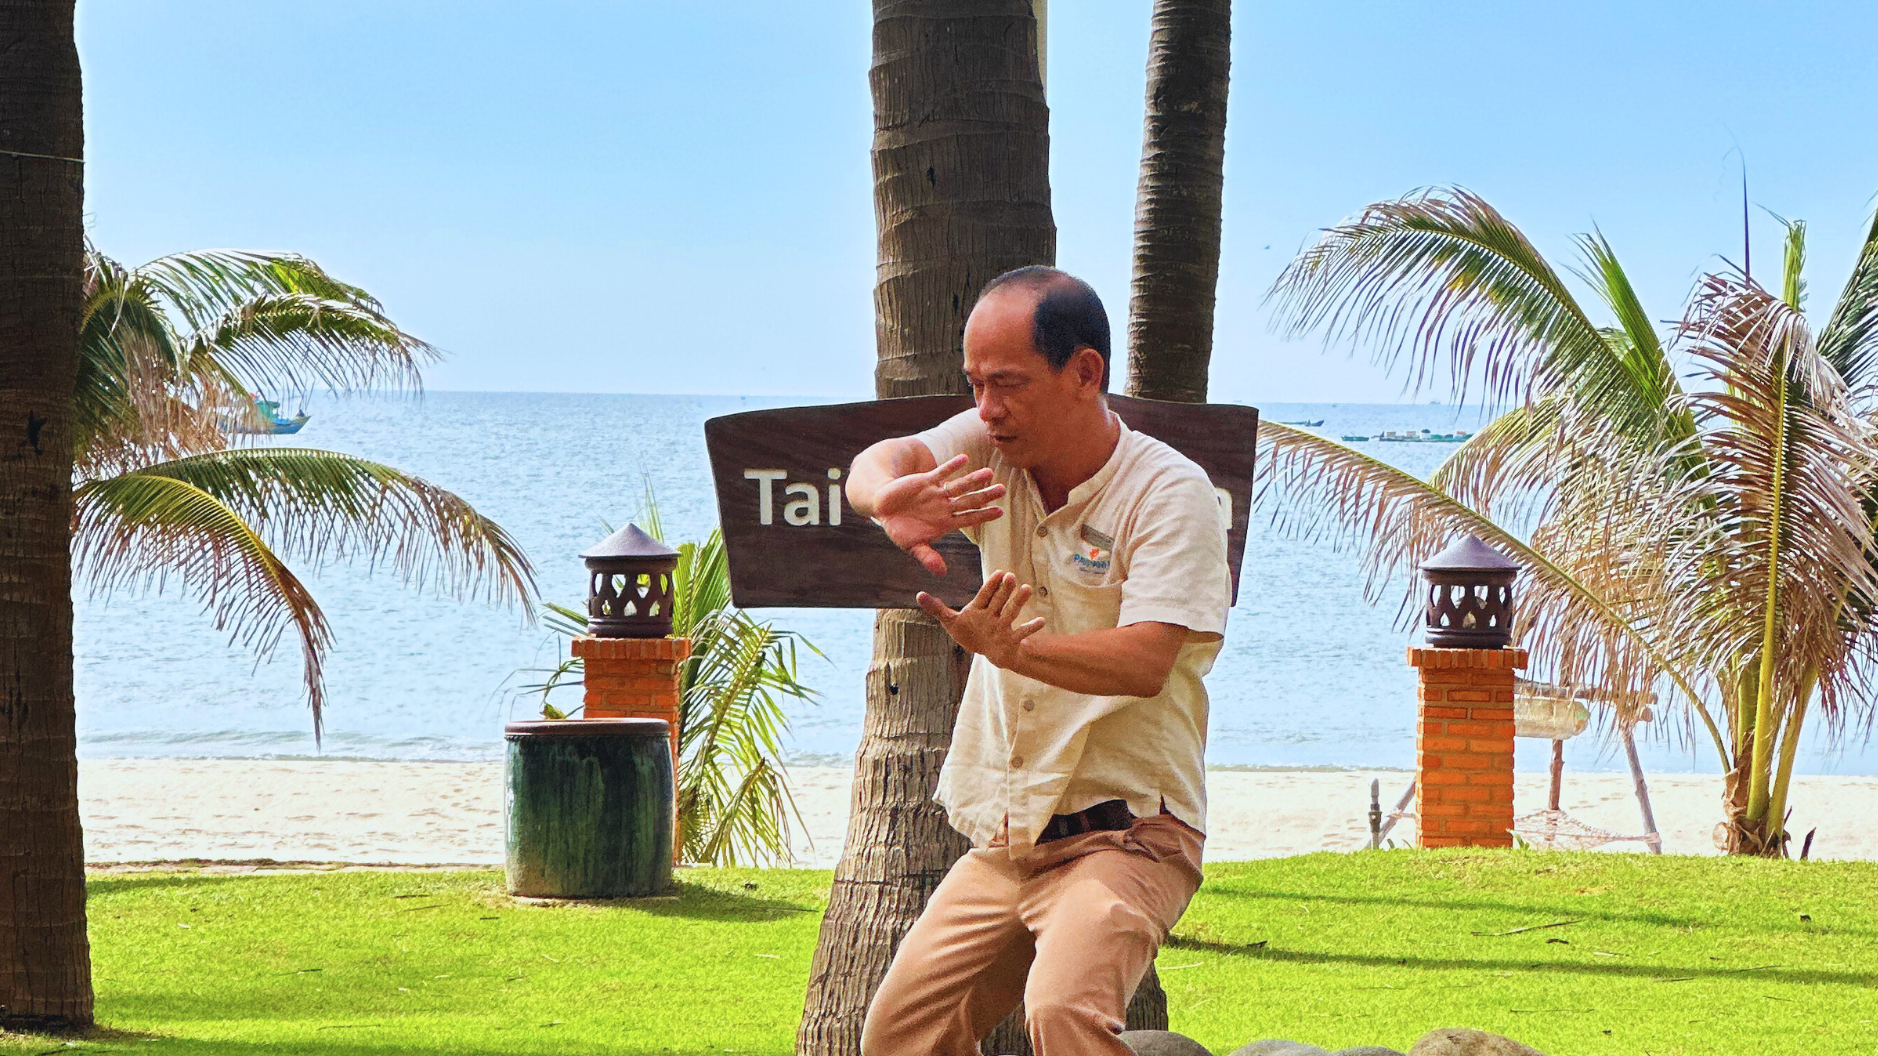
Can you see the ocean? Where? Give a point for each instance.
(1310, 676)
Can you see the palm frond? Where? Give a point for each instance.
(1652, 390)
(1587, 612)
(1787, 488)
(298, 340)
(325, 506)
(1849, 340)
(1442, 276)
(139, 531)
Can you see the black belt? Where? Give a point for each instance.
(1110, 816)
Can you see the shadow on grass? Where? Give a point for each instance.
(1637, 973)
(1220, 889)
(107, 1040)
(89, 1039)
(688, 901)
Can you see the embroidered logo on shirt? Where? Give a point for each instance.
(1094, 553)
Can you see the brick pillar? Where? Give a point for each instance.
(1464, 746)
(634, 678)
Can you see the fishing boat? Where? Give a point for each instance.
(270, 421)
(1307, 425)
(1424, 436)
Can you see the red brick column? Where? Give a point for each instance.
(634, 678)
(1464, 746)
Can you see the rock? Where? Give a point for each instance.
(1279, 1047)
(1367, 1050)
(1456, 1041)
(1162, 1043)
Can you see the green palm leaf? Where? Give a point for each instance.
(141, 530)
(324, 506)
(1588, 613)
(1441, 276)
(1849, 340)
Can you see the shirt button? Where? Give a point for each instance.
(1017, 762)
(1043, 591)
(1042, 531)
(1030, 705)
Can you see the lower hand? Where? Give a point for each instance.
(987, 624)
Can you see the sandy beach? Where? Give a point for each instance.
(148, 810)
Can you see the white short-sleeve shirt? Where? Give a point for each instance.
(1144, 540)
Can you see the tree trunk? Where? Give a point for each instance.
(1177, 203)
(961, 194)
(45, 960)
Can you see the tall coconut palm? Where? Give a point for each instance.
(1178, 201)
(1713, 543)
(45, 961)
(170, 352)
(961, 194)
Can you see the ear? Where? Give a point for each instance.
(1087, 363)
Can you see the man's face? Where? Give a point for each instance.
(1026, 406)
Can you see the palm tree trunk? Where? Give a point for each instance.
(961, 194)
(45, 960)
(1177, 203)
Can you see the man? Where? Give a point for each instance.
(1077, 765)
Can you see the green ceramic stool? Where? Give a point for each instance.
(588, 808)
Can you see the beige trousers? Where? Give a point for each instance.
(1071, 927)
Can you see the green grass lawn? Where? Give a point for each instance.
(1662, 955)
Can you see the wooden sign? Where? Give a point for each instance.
(792, 539)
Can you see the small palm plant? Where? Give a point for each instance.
(1716, 543)
(734, 801)
(170, 352)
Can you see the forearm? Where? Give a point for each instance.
(1131, 661)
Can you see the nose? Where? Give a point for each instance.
(990, 408)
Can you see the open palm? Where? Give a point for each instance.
(918, 509)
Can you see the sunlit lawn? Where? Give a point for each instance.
(1663, 955)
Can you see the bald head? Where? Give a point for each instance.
(1066, 314)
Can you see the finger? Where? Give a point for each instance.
(971, 517)
(947, 469)
(972, 500)
(986, 591)
(928, 557)
(1028, 628)
(1007, 586)
(1015, 603)
(977, 478)
(935, 608)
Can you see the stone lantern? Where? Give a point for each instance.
(1470, 597)
(629, 586)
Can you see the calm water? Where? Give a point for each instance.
(1310, 674)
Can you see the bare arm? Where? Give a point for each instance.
(898, 484)
(1131, 661)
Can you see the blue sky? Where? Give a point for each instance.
(674, 197)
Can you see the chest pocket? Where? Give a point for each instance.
(1079, 607)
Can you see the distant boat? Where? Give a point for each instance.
(1422, 437)
(271, 423)
(1308, 425)
(1353, 439)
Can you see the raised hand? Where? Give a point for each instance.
(987, 624)
(915, 510)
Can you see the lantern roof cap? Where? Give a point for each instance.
(1470, 555)
(629, 541)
